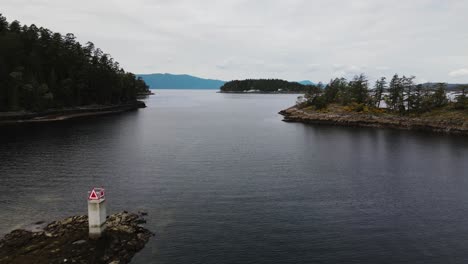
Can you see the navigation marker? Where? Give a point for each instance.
(93, 195)
(97, 213)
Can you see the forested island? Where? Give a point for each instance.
(399, 103)
(44, 72)
(263, 86)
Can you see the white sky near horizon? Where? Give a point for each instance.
(294, 39)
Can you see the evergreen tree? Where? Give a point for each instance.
(40, 69)
(313, 95)
(3, 23)
(395, 98)
(462, 100)
(416, 98)
(403, 97)
(337, 92)
(439, 97)
(408, 87)
(379, 88)
(359, 89)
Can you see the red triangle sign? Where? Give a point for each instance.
(93, 195)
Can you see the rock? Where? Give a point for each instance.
(143, 236)
(79, 242)
(66, 221)
(357, 119)
(126, 229)
(67, 241)
(140, 221)
(143, 213)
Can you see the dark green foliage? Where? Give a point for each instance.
(462, 100)
(379, 89)
(439, 97)
(40, 69)
(406, 97)
(321, 102)
(409, 95)
(264, 85)
(401, 96)
(336, 91)
(313, 93)
(417, 97)
(359, 90)
(395, 97)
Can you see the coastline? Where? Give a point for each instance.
(355, 119)
(54, 115)
(148, 93)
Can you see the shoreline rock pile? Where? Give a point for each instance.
(66, 241)
(293, 114)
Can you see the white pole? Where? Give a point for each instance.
(96, 213)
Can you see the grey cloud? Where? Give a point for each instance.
(459, 73)
(297, 39)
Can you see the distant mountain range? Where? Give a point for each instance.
(184, 81)
(450, 86)
(179, 81)
(306, 82)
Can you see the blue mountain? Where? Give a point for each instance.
(179, 81)
(306, 82)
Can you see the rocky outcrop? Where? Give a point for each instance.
(51, 115)
(355, 119)
(67, 241)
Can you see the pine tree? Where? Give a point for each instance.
(462, 100)
(3, 23)
(379, 89)
(408, 87)
(439, 97)
(396, 99)
(41, 69)
(359, 90)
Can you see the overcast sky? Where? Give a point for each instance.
(290, 39)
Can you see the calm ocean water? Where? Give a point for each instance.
(224, 180)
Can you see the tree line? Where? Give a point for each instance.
(263, 85)
(401, 95)
(41, 69)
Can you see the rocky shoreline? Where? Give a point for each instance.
(355, 119)
(54, 115)
(67, 241)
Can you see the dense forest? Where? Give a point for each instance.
(264, 86)
(401, 95)
(41, 69)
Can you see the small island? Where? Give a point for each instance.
(401, 105)
(272, 86)
(66, 241)
(47, 76)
